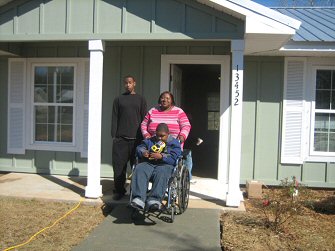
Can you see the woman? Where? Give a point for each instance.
(166, 112)
(174, 117)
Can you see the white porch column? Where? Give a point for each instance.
(94, 188)
(234, 195)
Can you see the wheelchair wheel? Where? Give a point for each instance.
(183, 190)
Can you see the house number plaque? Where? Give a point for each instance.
(236, 86)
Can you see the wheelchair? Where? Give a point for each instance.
(176, 197)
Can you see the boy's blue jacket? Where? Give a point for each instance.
(170, 154)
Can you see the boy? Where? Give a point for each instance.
(156, 167)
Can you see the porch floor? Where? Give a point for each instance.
(204, 193)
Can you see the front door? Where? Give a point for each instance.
(198, 95)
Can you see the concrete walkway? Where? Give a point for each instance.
(197, 229)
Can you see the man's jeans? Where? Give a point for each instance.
(159, 176)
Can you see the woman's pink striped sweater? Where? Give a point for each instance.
(176, 120)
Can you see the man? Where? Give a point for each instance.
(155, 166)
(129, 110)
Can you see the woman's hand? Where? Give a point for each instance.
(156, 156)
(181, 139)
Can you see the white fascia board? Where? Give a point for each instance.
(309, 46)
(257, 16)
(259, 25)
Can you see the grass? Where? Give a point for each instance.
(22, 218)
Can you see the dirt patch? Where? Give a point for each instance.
(313, 229)
(21, 218)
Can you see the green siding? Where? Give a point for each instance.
(7, 22)
(28, 19)
(81, 16)
(164, 22)
(38, 20)
(109, 9)
(54, 10)
(261, 118)
(249, 118)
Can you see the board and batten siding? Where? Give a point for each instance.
(141, 59)
(262, 129)
(38, 20)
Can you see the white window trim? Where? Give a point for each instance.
(314, 64)
(79, 77)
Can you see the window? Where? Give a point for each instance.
(48, 105)
(213, 112)
(324, 112)
(53, 103)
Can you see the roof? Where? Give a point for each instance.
(317, 23)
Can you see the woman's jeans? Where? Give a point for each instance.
(188, 162)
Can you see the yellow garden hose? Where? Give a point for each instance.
(53, 224)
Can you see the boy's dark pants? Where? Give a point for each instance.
(123, 151)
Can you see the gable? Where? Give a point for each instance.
(32, 20)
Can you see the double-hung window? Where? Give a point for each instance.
(53, 104)
(323, 113)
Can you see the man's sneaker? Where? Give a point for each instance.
(118, 196)
(193, 181)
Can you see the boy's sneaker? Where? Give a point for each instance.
(136, 206)
(154, 207)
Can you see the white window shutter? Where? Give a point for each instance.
(16, 106)
(293, 127)
(85, 114)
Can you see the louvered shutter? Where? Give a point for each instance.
(293, 111)
(16, 106)
(85, 114)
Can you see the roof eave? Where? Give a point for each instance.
(246, 8)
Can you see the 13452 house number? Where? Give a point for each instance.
(236, 85)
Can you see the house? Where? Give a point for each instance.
(256, 83)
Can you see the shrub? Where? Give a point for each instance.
(280, 205)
